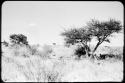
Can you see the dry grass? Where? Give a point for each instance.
(21, 64)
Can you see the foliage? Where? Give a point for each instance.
(75, 35)
(103, 30)
(18, 39)
(95, 28)
(78, 35)
(80, 51)
(5, 43)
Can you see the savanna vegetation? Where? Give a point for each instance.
(76, 61)
(94, 29)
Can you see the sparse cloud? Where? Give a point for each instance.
(32, 24)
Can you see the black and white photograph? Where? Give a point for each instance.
(62, 41)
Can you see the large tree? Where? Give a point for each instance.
(95, 28)
(102, 30)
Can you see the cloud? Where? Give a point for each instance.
(32, 24)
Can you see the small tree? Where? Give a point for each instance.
(103, 30)
(78, 35)
(18, 39)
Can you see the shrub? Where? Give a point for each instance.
(119, 57)
(47, 49)
(80, 51)
(21, 51)
(5, 43)
(110, 56)
(103, 56)
(33, 50)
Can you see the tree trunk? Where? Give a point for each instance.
(96, 47)
(86, 52)
(92, 54)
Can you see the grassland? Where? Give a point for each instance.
(57, 64)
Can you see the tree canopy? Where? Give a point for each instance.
(18, 39)
(102, 30)
(80, 35)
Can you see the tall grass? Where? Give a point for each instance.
(32, 63)
(35, 64)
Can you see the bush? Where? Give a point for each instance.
(103, 56)
(5, 43)
(18, 50)
(43, 52)
(47, 49)
(110, 56)
(119, 57)
(80, 51)
(33, 50)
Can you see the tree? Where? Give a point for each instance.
(78, 35)
(103, 30)
(95, 28)
(18, 39)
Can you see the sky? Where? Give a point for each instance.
(43, 21)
